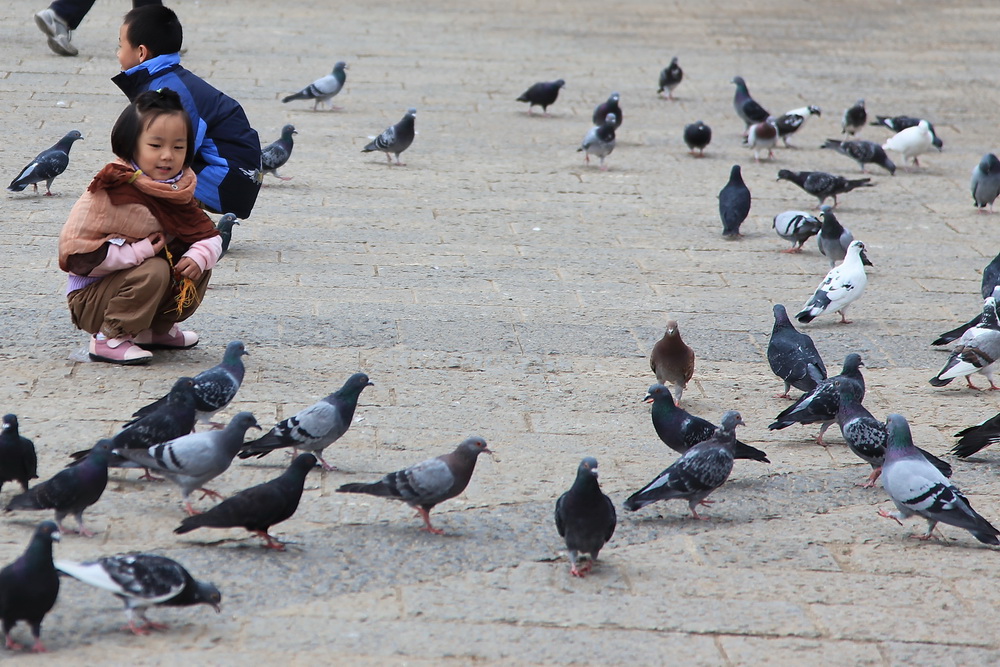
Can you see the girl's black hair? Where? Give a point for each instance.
(139, 115)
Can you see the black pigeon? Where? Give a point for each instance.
(46, 166)
(985, 183)
(585, 517)
(225, 227)
(900, 123)
(854, 118)
(792, 121)
(862, 152)
(670, 78)
(315, 428)
(214, 388)
(680, 430)
(543, 93)
(602, 110)
(18, 462)
(866, 436)
(823, 185)
(975, 438)
(734, 204)
(395, 139)
(71, 490)
(746, 107)
(697, 135)
(29, 587)
(276, 154)
(259, 507)
(424, 485)
(701, 470)
(991, 281)
(142, 581)
(822, 403)
(793, 356)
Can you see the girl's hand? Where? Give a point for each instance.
(187, 268)
(158, 241)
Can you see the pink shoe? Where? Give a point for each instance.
(118, 351)
(175, 339)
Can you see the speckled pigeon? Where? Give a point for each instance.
(793, 356)
(46, 166)
(746, 107)
(600, 141)
(822, 185)
(855, 118)
(395, 139)
(543, 93)
(797, 227)
(585, 518)
(862, 152)
(986, 182)
(697, 136)
(670, 77)
(18, 462)
(842, 286)
(29, 587)
(323, 89)
(977, 351)
(672, 360)
(734, 204)
(611, 105)
(822, 403)
(276, 154)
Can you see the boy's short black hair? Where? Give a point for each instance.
(155, 27)
(136, 117)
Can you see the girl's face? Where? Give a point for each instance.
(162, 147)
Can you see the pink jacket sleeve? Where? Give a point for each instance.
(206, 252)
(124, 256)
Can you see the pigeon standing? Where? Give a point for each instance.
(793, 356)
(395, 139)
(323, 89)
(977, 351)
(600, 141)
(823, 185)
(424, 485)
(760, 136)
(990, 285)
(822, 403)
(602, 110)
(315, 428)
(672, 360)
(797, 227)
(46, 166)
(843, 285)
(543, 93)
(585, 517)
(72, 490)
(259, 507)
(225, 227)
(194, 460)
(18, 462)
(793, 121)
(911, 142)
(29, 587)
(854, 118)
(834, 239)
(734, 204)
(276, 154)
(697, 136)
(700, 471)
(862, 152)
(900, 123)
(916, 487)
(975, 438)
(746, 107)
(670, 78)
(986, 182)
(142, 581)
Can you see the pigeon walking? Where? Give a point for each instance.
(990, 285)
(843, 285)
(834, 239)
(977, 351)
(793, 356)
(672, 360)
(978, 437)
(29, 587)
(823, 185)
(323, 89)
(734, 204)
(142, 581)
(746, 107)
(225, 227)
(822, 403)
(700, 471)
(276, 154)
(315, 428)
(911, 142)
(602, 110)
(194, 460)
(697, 136)
(986, 182)
(600, 141)
(396, 139)
(424, 485)
(797, 227)
(793, 121)
(670, 77)
(854, 118)
(917, 488)
(258, 508)
(862, 152)
(71, 490)
(900, 123)
(18, 462)
(543, 94)
(46, 166)
(585, 518)
(760, 136)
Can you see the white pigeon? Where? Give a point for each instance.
(977, 351)
(843, 285)
(912, 142)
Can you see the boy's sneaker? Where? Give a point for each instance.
(118, 351)
(57, 31)
(175, 339)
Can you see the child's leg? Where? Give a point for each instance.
(166, 313)
(124, 303)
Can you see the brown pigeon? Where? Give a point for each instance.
(672, 360)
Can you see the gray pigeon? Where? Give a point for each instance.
(424, 485)
(986, 182)
(916, 487)
(797, 227)
(585, 517)
(746, 107)
(792, 121)
(672, 360)
(195, 459)
(276, 154)
(862, 152)
(395, 139)
(29, 587)
(855, 118)
(822, 185)
(611, 105)
(977, 351)
(600, 141)
(46, 166)
(793, 356)
(697, 135)
(834, 239)
(697, 473)
(543, 93)
(990, 285)
(323, 89)
(142, 581)
(225, 227)
(18, 461)
(316, 427)
(670, 78)
(900, 123)
(734, 204)
(822, 403)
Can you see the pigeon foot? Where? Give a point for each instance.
(149, 477)
(269, 542)
(886, 515)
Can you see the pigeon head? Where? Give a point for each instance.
(182, 390)
(559, 83)
(989, 164)
(736, 174)
(730, 421)
(588, 466)
(672, 328)
(860, 103)
(48, 531)
(206, 593)
(9, 422)
(101, 450)
(989, 309)
(614, 98)
(658, 393)
(340, 66)
(740, 83)
(303, 463)
(900, 440)
(411, 112)
(852, 363)
(287, 132)
(610, 119)
(227, 220)
(858, 248)
(474, 446)
(70, 137)
(234, 351)
(355, 384)
(785, 174)
(243, 421)
(814, 110)
(781, 316)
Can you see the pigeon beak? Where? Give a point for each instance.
(217, 608)
(648, 399)
(56, 536)
(370, 384)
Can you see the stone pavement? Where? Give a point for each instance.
(498, 286)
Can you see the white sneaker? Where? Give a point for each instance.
(57, 31)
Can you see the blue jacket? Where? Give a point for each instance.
(227, 149)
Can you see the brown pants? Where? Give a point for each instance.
(132, 300)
